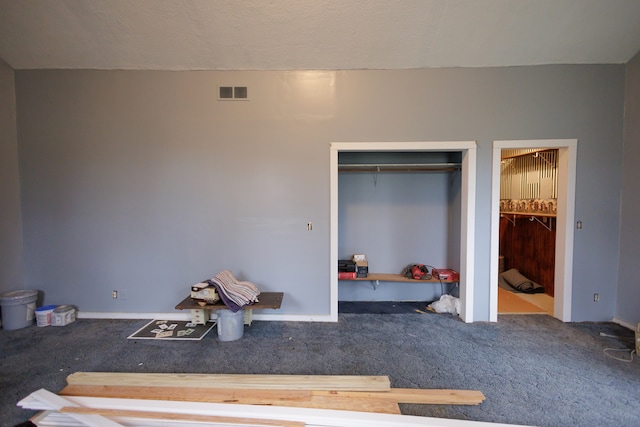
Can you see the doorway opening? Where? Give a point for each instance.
(564, 219)
(467, 217)
(528, 200)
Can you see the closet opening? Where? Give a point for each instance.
(403, 203)
(525, 172)
(527, 235)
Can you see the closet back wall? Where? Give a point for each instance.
(396, 219)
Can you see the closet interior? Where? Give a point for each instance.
(399, 208)
(528, 202)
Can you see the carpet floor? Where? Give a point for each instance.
(533, 369)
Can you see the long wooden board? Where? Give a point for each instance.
(189, 394)
(419, 396)
(238, 381)
(367, 402)
(277, 397)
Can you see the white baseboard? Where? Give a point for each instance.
(623, 323)
(187, 316)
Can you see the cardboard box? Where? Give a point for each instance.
(362, 268)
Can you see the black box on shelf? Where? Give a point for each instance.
(346, 266)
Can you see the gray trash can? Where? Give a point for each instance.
(18, 309)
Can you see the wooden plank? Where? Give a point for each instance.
(347, 403)
(386, 277)
(272, 397)
(287, 398)
(419, 396)
(266, 300)
(238, 381)
(171, 416)
(189, 394)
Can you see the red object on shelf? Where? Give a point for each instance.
(347, 275)
(445, 274)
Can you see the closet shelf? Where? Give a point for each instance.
(532, 217)
(399, 167)
(529, 214)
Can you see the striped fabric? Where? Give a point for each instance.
(240, 292)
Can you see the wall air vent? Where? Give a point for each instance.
(233, 93)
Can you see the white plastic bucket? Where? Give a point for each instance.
(43, 315)
(18, 309)
(230, 325)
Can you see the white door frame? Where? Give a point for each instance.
(567, 165)
(467, 220)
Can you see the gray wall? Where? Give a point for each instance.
(144, 182)
(11, 271)
(628, 285)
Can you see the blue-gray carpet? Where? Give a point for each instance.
(533, 369)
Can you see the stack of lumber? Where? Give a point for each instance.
(133, 399)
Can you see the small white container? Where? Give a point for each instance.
(43, 315)
(63, 315)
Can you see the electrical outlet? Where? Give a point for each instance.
(579, 225)
(114, 294)
(309, 226)
(596, 297)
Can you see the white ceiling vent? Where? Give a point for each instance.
(233, 93)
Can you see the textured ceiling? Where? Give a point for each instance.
(315, 34)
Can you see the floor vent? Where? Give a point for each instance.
(233, 93)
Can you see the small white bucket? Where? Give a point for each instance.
(63, 315)
(43, 315)
(230, 325)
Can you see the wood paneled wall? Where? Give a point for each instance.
(529, 247)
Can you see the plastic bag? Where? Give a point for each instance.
(446, 304)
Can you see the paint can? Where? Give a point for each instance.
(43, 315)
(18, 309)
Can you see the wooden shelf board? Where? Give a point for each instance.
(271, 300)
(385, 277)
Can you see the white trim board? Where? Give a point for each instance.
(467, 214)
(565, 219)
(187, 316)
(311, 417)
(623, 323)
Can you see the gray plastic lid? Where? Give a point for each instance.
(18, 295)
(64, 308)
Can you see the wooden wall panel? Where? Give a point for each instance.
(529, 247)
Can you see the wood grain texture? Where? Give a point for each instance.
(366, 402)
(238, 381)
(389, 277)
(529, 247)
(418, 396)
(188, 394)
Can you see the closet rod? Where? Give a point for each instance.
(398, 167)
